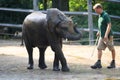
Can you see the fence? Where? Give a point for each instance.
(68, 13)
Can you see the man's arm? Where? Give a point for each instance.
(107, 31)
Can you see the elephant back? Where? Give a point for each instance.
(35, 17)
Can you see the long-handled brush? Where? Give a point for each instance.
(95, 46)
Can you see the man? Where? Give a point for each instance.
(106, 36)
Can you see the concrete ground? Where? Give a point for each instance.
(14, 59)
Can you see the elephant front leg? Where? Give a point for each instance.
(63, 62)
(56, 63)
(57, 49)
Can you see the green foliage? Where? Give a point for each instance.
(82, 21)
(112, 8)
(41, 6)
(78, 5)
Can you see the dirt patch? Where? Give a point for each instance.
(13, 62)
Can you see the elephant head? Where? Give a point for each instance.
(61, 24)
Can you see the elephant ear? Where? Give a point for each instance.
(54, 17)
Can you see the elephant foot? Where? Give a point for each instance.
(56, 68)
(30, 67)
(42, 66)
(65, 69)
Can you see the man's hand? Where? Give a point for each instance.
(105, 38)
(98, 34)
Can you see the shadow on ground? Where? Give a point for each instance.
(13, 63)
(14, 68)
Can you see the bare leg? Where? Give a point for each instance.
(112, 64)
(113, 54)
(99, 54)
(98, 63)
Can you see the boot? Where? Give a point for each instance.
(112, 64)
(97, 65)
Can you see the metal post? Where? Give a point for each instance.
(90, 22)
(35, 5)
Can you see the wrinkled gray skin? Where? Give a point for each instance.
(42, 30)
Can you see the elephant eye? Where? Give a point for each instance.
(64, 28)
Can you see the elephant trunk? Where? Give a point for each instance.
(74, 36)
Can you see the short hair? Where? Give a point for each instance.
(98, 5)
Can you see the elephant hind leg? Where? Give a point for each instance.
(30, 53)
(42, 64)
(30, 56)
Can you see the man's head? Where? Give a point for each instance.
(98, 8)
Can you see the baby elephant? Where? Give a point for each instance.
(42, 30)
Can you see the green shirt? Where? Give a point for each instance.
(103, 20)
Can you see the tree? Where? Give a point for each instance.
(43, 4)
(78, 5)
(61, 4)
